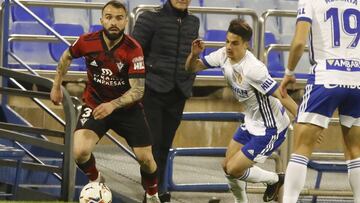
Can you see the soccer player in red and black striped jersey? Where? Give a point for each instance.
(116, 71)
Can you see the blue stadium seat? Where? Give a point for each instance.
(32, 53)
(45, 13)
(94, 28)
(274, 57)
(219, 21)
(73, 15)
(214, 35)
(260, 6)
(57, 48)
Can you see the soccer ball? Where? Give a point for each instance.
(95, 192)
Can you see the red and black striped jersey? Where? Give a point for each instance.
(108, 71)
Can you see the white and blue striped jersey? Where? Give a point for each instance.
(252, 85)
(334, 39)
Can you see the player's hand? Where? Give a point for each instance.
(56, 95)
(103, 110)
(287, 80)
(197, 47)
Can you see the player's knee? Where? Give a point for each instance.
(80, 153)
(234, 170)
(145, 159)
(223, 164)
(231, 169)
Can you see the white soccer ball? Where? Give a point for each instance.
(95, 192)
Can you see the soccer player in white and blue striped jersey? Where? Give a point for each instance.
(266, 121)
(334, 28)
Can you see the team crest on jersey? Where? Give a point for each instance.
(237, 77)
(138, 63)
(120, 65)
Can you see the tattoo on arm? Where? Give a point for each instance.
(135, 93)
(63, 66)
(64, 63)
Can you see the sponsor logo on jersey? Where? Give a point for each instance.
(138, 63)
(332, 86)
(343, 64)
(106, 72)
(240, 92)
(107, 78)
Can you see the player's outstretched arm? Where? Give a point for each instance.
(193, 63)
(296, 51)
(56, 94)
(287, 102)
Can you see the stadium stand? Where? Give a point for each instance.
(45, 13)
(219, 21)
(260, 6)
(274, 58)
(72, 16)
(32, 53)
(57, 48)
(214, 35)
(44, 55)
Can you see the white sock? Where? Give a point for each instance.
(238, 189)
(258, 175)
(354, 178)
(295, 177)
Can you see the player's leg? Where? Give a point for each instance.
(349, 112)
(241, 165)
(314, 115)
(86, 136)
(131, 123)
(307, 136)
(148, 170)
(237, 187)
(352, 144)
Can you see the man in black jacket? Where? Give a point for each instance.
(166, 36)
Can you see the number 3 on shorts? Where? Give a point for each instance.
(87, 112)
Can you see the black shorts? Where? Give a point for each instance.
(130, 123)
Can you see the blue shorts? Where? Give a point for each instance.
(258, 148)
(320, 102)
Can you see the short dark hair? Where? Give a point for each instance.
(114, 3)
(241, 28)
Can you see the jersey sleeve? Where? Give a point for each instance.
(305, 11)
(214, 59)
(136, 63)
(76, 49)
(259, 77)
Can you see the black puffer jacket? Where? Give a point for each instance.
(166, 36)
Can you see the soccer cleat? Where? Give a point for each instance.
(272, 191)
(165, 197)
(151, 198)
